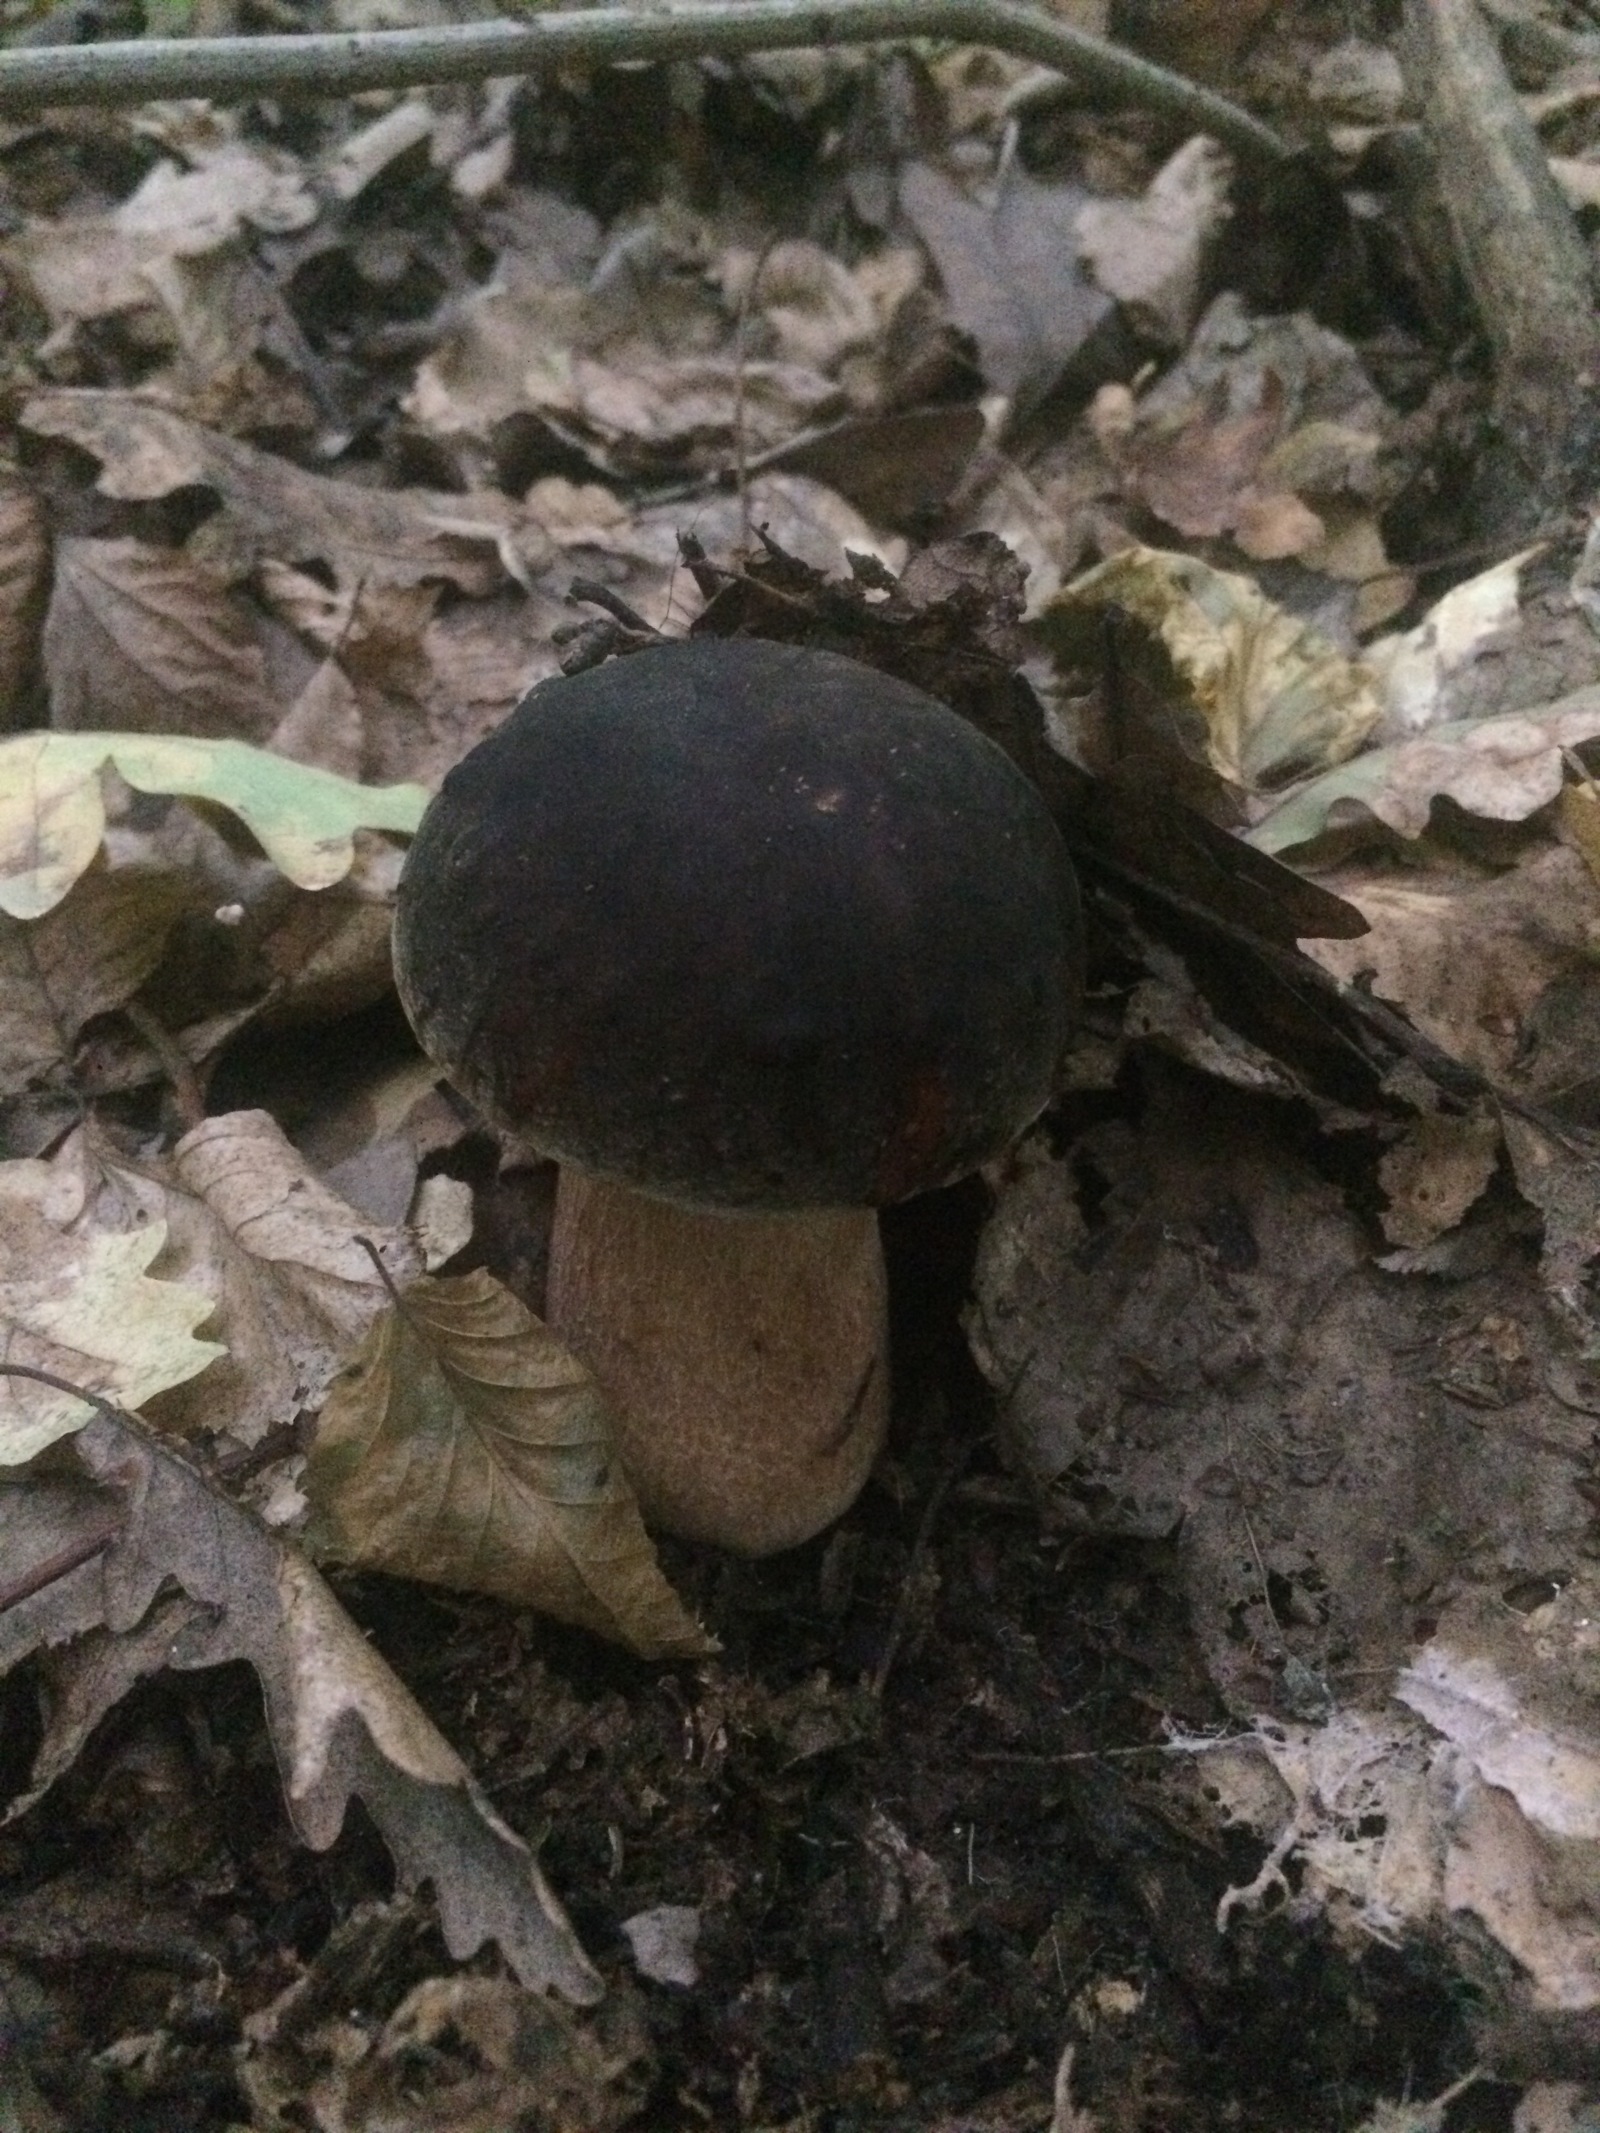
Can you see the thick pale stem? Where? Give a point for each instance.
(745, 1356)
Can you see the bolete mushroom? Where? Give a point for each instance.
(752, 939)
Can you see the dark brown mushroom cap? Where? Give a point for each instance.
(744, 925)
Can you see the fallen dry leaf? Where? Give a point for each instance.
(272, 508)
(460, 2054)
(341, 1722)
(24, 597)
(692, 411)
(1205, 476)
(81, 1302)
(276, 1253)
(231, 186)
(1503, 769)
(822, 314)
(150, 640)
(1148, 253)
(1011, 273)
(1417, 667)
(1255, 694)
(1467, 956)
(466, 1445)
(1439, 1169)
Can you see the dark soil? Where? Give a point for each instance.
(903, 1800)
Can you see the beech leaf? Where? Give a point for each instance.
(467, 1446)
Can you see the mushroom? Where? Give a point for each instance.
(752, 939)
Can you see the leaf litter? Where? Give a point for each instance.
(1246, 1579)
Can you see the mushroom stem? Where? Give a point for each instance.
(744, 1356)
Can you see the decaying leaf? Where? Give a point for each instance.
(85, 957)
(270, 507)
(1255, 694)
(460, 2054)
(466, 1445)
(1503, 769)
(1466, 956)
(82, 1303)
(343, 1725)
(52, 812)
(153, 639)
(1148, 253)
(1417, 667)
(1011, 272)
(276, 1253)
(1432, 1176)
(24, 591)
(1206, 476)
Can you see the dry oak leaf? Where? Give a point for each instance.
(276, 1254)
(1011, 273)
(1149, 253)
(82, 1303)
(158, 636)
(87, 957)
(1502, 769)
(273, 509)
(342, 1724)
(466, 1445)
(53, 817)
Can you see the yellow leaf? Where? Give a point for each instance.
(84, 1307)
(465, 1445)
(1256, 693)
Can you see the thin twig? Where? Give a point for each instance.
(1197, 1746)
(741, 457)
(174, 1061)
(25, 1583)
(240, 68)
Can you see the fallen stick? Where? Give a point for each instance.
(1525, 264)
(321, 65)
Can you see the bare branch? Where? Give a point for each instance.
(232, 68)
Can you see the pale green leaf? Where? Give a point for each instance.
(52, 813)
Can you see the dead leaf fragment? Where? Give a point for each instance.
(1417, 667)
(86, 957)
(1467, 957)
(1011, 273)
(272, 508)
(24, 596)
(1432, 1176)
(82, 1303)
(663, 1943)
(342, 1724)
(1148, 253)
(466, 1445)
(145, 639)
(279, 1256)
(1257, 695)
(1503, 769)
(1206, 476)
